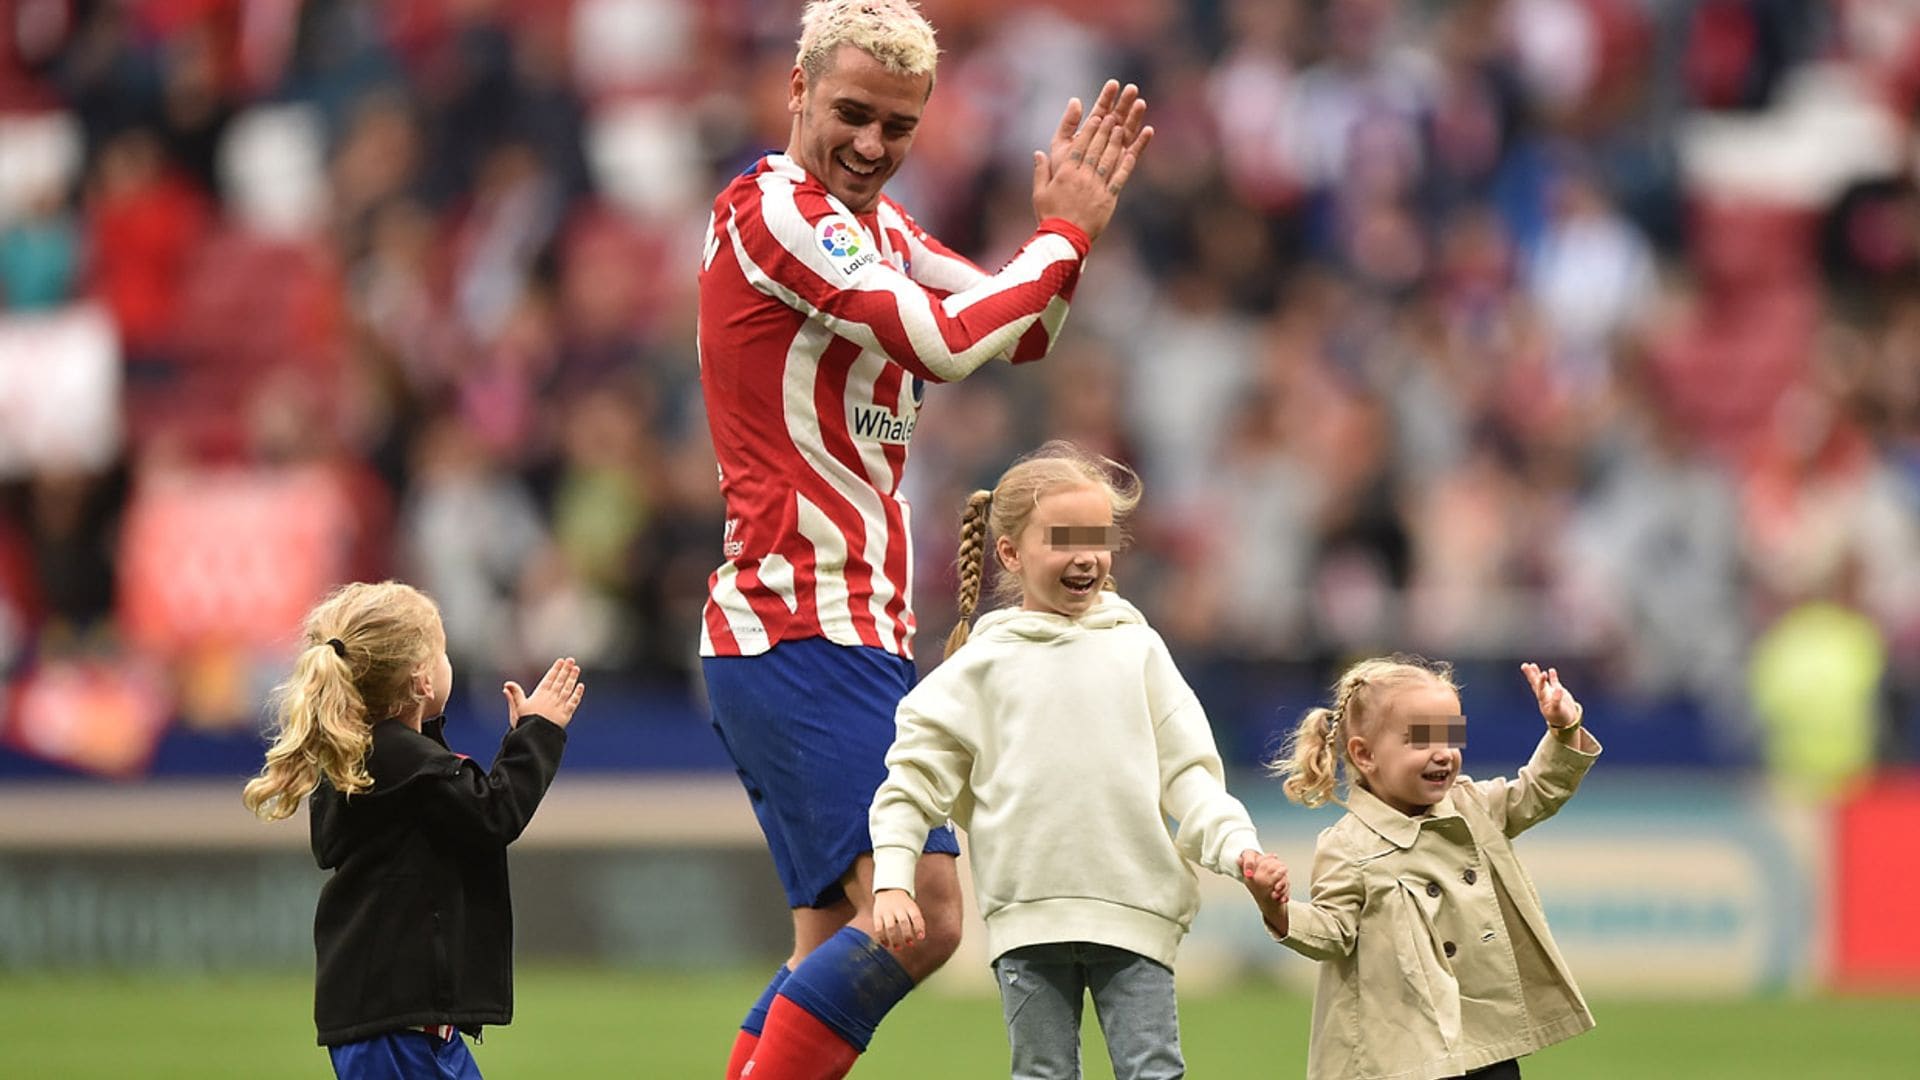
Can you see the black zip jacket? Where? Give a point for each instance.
(416, 924)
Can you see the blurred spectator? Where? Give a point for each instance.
(1817, 682)
(1186, 370)
(144, 224)
(71, 520)
(1258, 147)
(1263, 494)
(1653, 564)
(500, 234)
(20, 613)
(603, 500)
(1739, 50)
(468, 533)
(194, 110)
(39, 256)
(1593, 279)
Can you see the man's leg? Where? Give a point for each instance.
(811, 929)
(753, 1024)
(826, 1012)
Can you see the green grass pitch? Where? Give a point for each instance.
(579, 1025)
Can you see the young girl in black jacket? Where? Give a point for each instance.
(414, 930)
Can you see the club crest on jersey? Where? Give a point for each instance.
(845, 244)
(880, 425)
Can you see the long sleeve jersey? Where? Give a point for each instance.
(819, 330)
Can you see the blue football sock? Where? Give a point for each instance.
(849, 983)
(757, 1016)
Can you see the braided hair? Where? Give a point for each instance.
(973, 564)
(1309, 764)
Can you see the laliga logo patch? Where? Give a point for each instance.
(844, 244)
(838, 237)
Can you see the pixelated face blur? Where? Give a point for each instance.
(1412, 752)
(853, 126)
(1065, 552)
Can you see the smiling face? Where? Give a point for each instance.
(1065, 552)
(1412, 752)
(853, 124)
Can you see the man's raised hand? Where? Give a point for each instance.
(1084, 186)
(1113, 100)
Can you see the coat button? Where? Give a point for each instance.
(1433, 888)
(1449, 949)
(1469, 877)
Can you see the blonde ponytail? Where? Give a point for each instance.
(322, 731)
(363, 644)
(973, 565)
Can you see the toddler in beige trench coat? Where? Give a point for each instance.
(1436, 960)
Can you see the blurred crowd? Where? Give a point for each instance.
(1585, 329)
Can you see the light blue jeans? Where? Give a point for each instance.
(1042, 988)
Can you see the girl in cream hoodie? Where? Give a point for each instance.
(1062, 738)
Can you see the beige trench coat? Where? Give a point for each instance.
(1435, 954)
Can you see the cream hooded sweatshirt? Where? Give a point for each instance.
(1063, 746)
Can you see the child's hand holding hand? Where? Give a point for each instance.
(897, 922)
(555, 698)
(1263, 872)
(1266, 878)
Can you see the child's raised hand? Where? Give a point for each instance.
(555, 698)
(1557, 706)
(897, 922)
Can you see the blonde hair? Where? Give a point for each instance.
(361, 648)
(891, 31)
(1006, 509)
(1309, 765)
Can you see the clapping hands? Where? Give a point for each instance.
(1080, 175)
(557, 696)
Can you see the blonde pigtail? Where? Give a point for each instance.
(973, 565)
(1310, 765)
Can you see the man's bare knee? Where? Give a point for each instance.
(937, 885)
(924, 957)
(943, 934)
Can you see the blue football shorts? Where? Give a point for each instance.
(404, 1055)
(808, 724)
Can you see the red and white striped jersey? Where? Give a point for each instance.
(818, 332)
